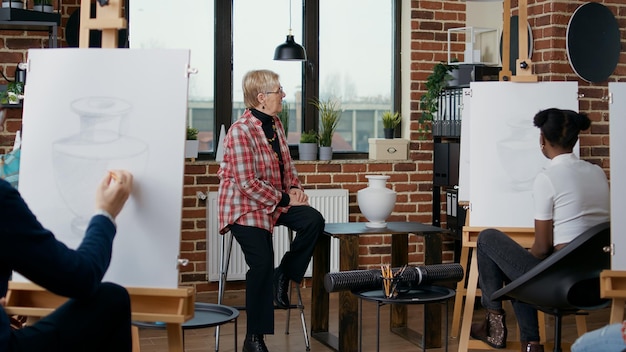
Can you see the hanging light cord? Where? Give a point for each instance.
(290, 17)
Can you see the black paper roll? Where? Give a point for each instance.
(412, 276)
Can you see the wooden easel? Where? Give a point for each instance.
(524, 65)
(525, 236)
(613, 285)
(170, 306)
(108, 18)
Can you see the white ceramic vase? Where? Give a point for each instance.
(376, 201)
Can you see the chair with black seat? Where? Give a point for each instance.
(568, 281)
(226, 248)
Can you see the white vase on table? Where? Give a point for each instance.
(376, 201)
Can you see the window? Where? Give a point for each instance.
(153, 24)
(355, 67)
(259, 27)
(352, 50)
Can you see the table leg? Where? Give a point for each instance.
(360, 325)
(348, 303)
(399, 257)
(398, 322)
(319, 296)
(377, 326)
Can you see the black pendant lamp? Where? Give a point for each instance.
(290, 50)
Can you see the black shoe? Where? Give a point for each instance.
(281, 289)
(254, 343)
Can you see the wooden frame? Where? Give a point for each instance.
(171, 306)
(613, 285)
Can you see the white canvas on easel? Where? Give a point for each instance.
(75, 101)
(617, 126)
(504, 147)
(464, 154)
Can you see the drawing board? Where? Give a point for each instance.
(87, 111)
(617, 126)
(504, 153)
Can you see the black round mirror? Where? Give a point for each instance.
(593, 42)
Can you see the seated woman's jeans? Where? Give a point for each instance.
(501, 259)
(606, 339)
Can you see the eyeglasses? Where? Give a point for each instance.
(279, 91)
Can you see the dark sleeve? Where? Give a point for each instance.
(33, 251)
(284, 201)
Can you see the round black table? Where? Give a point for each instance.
(206, 315)
(418, 295)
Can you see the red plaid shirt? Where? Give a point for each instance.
(250, 184)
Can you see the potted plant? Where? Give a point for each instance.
(435, 83)
(329, 118)
(390, 122)
(13, 93)
(43, 5)
(307, 148)
(15, 4)
(191, 144)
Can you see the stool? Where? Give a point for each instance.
(227, 245)
(418, 295)
(206, 315)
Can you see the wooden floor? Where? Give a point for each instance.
(152, 340)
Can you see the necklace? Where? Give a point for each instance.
(271, 140)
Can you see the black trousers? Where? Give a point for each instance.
(258, 250)
(99, 323)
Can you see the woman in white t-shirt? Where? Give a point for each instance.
(570, 196)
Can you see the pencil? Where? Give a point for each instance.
(114, 176)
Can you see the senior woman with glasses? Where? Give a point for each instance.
(259, 189)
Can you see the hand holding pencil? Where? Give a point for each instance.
(113, 191)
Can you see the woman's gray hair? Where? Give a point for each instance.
(255, 82)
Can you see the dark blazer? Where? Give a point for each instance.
(29, 249)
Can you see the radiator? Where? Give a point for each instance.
(332, 203)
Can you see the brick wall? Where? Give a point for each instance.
(411, 179)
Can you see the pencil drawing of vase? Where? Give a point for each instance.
(520, 155)
(81, 161)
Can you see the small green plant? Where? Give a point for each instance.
(192, 133)
(309, 137)
(391, 120)
(283, 115)
(12, 93)
(435, 83)
(329, 119)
